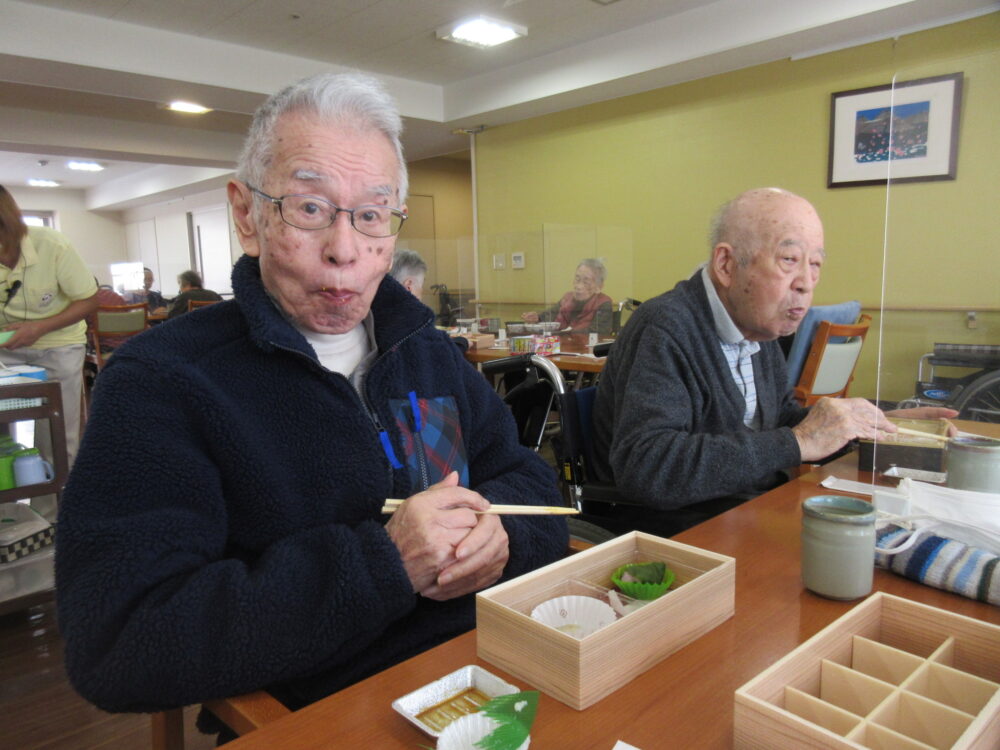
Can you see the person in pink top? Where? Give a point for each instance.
(585, 308)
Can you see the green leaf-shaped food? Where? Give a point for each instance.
(650, 572)
(515, 714)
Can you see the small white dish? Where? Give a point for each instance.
(578, 616)
(465, 732)
(472, 676)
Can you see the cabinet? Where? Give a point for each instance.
(50, 409)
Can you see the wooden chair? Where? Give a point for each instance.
(193, 304)
(829, 366)
(113, 324)
(242, 714)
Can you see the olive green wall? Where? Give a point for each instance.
(441, 187)
(660, 163)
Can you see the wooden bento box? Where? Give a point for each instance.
(891, 673)
(905, 451)
(581, 670)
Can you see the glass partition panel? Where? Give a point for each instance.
(940, 315)
(576, 277)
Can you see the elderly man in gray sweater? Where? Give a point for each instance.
(693, 412)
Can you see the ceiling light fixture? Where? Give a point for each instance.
(85, 166)
(188, 107)
(481, 32)
(43, 183)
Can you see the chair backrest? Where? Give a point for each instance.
(195, 303)
(121, 319)
(829, 367)
(113, 326)
(843, 314)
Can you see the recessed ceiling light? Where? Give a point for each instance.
(481, 32)
(189, 107)
(43, 183)
(85, 166)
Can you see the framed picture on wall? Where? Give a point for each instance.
(905, 132)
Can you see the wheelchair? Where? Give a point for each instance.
(535, 390)
(976, 395)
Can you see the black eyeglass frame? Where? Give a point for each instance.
(333, 214)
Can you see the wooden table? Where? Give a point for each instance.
(574, 354)
(685, 701)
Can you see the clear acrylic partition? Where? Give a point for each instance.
(938, 326)
(450, 285)
(531, 271)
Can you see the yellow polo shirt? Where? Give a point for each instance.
(52, 275)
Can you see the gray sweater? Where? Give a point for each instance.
(668, 420)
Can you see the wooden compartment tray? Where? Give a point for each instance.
(580, 671)
(891, 673)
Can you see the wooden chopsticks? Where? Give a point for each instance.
(920, 433)
(391, 505)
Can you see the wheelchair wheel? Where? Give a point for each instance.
(588, 532)
(980, 400)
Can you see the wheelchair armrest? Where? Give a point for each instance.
(514, 363)
(605, 492)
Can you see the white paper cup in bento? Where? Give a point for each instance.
(578, 616)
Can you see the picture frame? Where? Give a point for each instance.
(904, 132)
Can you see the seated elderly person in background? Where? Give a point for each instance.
(693, 412)
(154, 301)
(190, 286)
(242, 544)
(585, 308)
(410, 270)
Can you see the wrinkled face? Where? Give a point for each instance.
(769, 297)
(147, 280)
(323, 279)
(585, 283)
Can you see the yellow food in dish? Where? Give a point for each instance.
(440, 715)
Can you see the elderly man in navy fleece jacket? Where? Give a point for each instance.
(693, 412)
(241, 545)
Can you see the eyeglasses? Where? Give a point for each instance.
(310, 212)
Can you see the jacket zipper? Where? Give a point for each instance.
(381, 434)
(418, 440)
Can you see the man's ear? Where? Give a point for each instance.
(408, 284)
(241, 200)
(723, 264)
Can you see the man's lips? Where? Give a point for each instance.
(337, 296)
(796, 313)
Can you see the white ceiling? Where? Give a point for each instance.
(88, 78)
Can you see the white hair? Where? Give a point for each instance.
(350, 98)
(597, 266)
(407, 264)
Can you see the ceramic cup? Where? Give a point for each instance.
(973, 464)
(838, 546)
(31, 468)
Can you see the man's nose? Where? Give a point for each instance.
(806, 279)
(342, 241)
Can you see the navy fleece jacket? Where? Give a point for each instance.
(221, 529)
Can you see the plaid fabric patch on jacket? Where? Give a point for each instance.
(432, 439)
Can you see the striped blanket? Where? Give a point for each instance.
(941, 563)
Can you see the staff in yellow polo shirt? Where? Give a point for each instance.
(46, 291)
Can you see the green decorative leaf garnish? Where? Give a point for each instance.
(515, 713)
(650, 572)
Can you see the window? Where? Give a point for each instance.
(39, 218)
